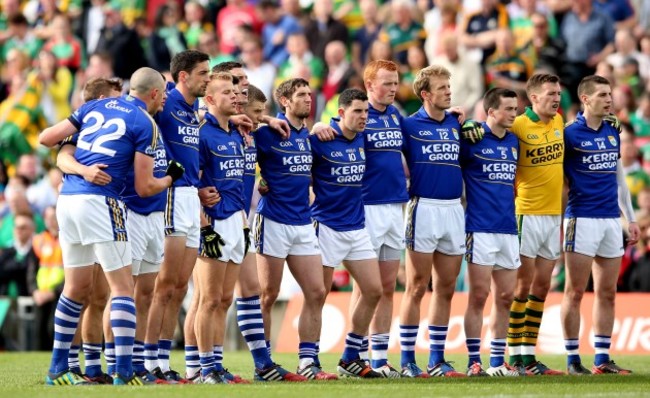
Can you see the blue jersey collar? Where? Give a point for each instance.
(137, 101)
(422, 113)
(210, 118)
(334, 123)
(283, 116)
(580, 119)
(488, 132)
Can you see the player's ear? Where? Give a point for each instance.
(341, 112)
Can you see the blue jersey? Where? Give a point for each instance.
(384, 180)
(590, 162)
(157, 202)
(286, 166)
(111, 131)
(489, 169)
(431, 148)
(250, 153)
(338, 176)
(179, 126)
(222, 162)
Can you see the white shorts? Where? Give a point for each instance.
(602, 237)
(385, 224)
(500, 250)
(147, 236)
(539, 236)
(87, 219)
(110, 255)
(231, 231)
(183, 214)
(338, 246)
(435, 225)
(281, 240)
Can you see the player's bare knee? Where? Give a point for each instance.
(504, 299)
(417, 290)
(209, 304)
(478, 297)
(268, 298)
(606, 296)
(316, 295)
(226, 302)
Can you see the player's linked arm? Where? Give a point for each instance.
(145, 183)
(66, 161)
(57, 133)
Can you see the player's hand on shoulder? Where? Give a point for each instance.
(613, 121)
(212, 242)
(244, 123)
(175, 170)
(459, 111)
(472, 131)
(323, 132)
(280, 126)
(209, 196)
(96, 175)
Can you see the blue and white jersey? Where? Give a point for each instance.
(111, 131)
(431, 148)
(590, 162)
(384, 180)
(179, 126)
(222, 163)
(338, 181)
(489, 169)
(250, 154)
(157, 202)
(286, 166)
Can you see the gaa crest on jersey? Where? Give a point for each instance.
(612, 140)
(362, 154)
(455, 132)
(395, 119)
(514, 152)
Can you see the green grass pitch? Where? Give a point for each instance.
(22, 376)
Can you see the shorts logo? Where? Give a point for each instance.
(612, 140)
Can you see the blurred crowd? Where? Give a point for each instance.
(50, 48)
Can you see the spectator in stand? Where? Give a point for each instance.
(99, 65)
(366, 35)
(17, 203)
(625, 45)
(300, 58)
(195, 23)
(443, 19)
(122, 43)
(640, 121)
(67, 48)
(624, 103)
(339, 70)
(637, 179)
(416, 61)
(380, 50)
(45, 277)
(261, 74)
(404, 31)
(620, 11)
(520, 13)
(589, 36)
(323, 28)
(547, 51)
(230, 18)
(8, 9)
(278, 26)
(21, 38)
(57, 87)
(466, 75)
(14, 257)
(480, 31)
(349, 13)
(634, 275)
(89, 22)
(166, 39)
(508, 67)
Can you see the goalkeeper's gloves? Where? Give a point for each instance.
(212, 242)
(614, 122)
(247, 239)
(175, 170)
(472, 131)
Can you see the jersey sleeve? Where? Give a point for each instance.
(77, 116)
(204, 152)
(145, 133)
(70, 140)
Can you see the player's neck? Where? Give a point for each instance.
(593, 121)
(185, 92)
(377, 105)
(497, 130)
(543, 118)
(295, 121)
(222, 119)
(434, 112)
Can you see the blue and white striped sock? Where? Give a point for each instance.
(473, 350)
(379, 343)
(217, 351)
(73, 359)
(251, 326)
(151, 356)
(363, 351)
(93, 359)
(109, 355)
(572, 346)
(268, 349)
(164, 348)
(408, 334)
(192, 361)
(316, 358)
(306, 353)
(601, 345)
(123, 325)
(437, 339)
(352, 346)
(206, 360)
(497, 352)
(138, 357)
(66, 320)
